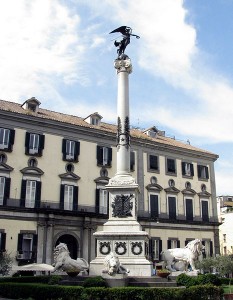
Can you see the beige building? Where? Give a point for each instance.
(225, 212)
(53, 172)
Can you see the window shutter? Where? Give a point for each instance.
(38, 194)
(203, 251)
(171, 165)
(151, 256)
(132, 160)
(109, 156)
(76, 151)
(6, 190)
(207, 172)
(27, 139)
(3, 241)
(178, 243)
(153, 162)
(97, 200)
(20, 242)
(189, 209)
(99, 155)
(183, 168)
(172, 208)
(211, 248)
(62, 190)
(64, 149)
(11, 139)
(160, 248)
(199, 171)
(169, 244)
(192, 169)
(154, 206)
(75, 198)
(41, 144)
(23, 193)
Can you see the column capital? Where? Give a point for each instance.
(123, 65)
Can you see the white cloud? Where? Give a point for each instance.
(39, 40)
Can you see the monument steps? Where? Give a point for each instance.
(153, 281)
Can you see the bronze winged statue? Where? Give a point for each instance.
(124, 42)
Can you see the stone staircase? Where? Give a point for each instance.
(152, 281)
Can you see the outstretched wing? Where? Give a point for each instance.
(121, 29)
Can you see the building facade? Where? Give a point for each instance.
(225, 213)
(53, 172)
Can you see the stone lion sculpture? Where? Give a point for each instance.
(113, 265)
(188, 255)
(62, 260)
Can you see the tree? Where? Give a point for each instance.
(5, 263)
(222, 264)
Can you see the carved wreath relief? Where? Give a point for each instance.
(104, 248)
(136, 248)
(122, 206)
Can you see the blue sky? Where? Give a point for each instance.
(61, 52)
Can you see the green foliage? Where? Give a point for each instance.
(185, 280)
(201, 279)
(39, 291)
(97, 281)
(223, 264)
(55, 279)
(5, 263)
(52, 292)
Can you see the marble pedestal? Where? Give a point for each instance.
(122, 234)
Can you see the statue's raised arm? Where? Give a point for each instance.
(124, 42)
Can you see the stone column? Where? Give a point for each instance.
(124, 68)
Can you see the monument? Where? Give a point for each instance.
(122, 235)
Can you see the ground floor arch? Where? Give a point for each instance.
(71, 243)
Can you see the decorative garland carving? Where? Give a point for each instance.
(136, 248)
(120, 248)
(105, 248)
(122, 207)
(127, 132)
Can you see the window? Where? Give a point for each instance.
(32, 162)
(30, 193)
(208, 251)
(224, 238)
(155, 247)
(27, 246)
(172, 208)
(101, 201)
(104, 156)
(3, 158)
(173, 243)
(95, 121)
(203, 172)
(187, 169)
(205, 210)
(132, 161)
(154, 206)
(34, 144)
(171, 166)
(189, 209)
(7, 137)
(69, 197)
(70, 150)
(2, 241)
(4, 190)
(153, 163)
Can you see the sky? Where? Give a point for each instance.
(61, 52)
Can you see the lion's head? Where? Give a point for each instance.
(60, 248)
(195, 246)
(112, 263)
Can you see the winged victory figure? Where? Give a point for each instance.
(124, 42)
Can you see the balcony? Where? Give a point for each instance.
(26, 255)
(51, 206)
